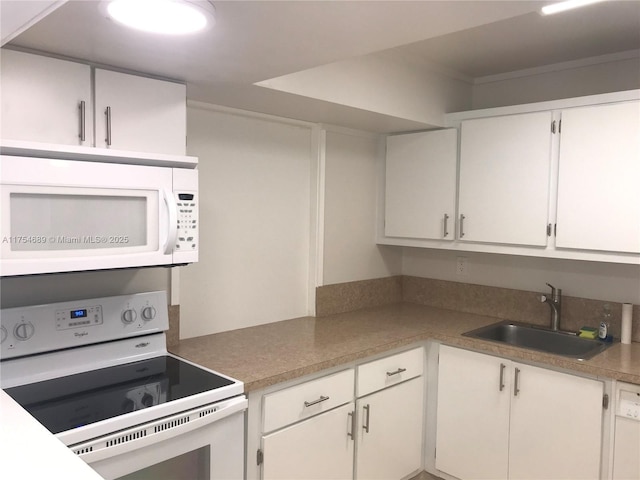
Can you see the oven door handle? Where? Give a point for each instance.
(172, 227)
(156, 431)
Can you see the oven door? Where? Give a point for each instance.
(60, 215)
(206, 443)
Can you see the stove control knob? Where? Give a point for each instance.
(24, 331)
(129, 316)
(148, 313)
(147, 400)
(128, 405)
(3, 334)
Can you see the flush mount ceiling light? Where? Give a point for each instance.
(566, 5)
(172, 17)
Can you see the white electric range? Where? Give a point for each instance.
(97, 374)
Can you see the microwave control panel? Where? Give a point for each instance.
(187, 221)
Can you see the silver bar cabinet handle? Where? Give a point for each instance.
(516, 383)
(107, 113)
(397, 372)
(367, 411)
(83, 111)
(315, 402)
(446, 220)
(502, 367)
(462, 217)
(353, 424)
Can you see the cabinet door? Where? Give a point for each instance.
(147, 115)
(472, 426)
(390, 432)
(420, 185)
(556, 424)
(626, 450)
(504, 179)
(598, 194)
(41, 99)
(320, 448)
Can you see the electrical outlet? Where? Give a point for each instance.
(462, 267)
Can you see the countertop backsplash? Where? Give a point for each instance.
(502, 303)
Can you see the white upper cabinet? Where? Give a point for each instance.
(599, 178)
(505, 167)
(42, 99)
(140, 114)
(555, 179)
(420, 185)
(57, 102)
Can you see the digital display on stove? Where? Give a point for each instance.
(81, 313)
(73, 401)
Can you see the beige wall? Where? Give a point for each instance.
(593, 280)
(62, 287)
(350, 252)
(609, 74)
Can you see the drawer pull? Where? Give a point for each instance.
(315, 402)
(502, 367)
(397, 372)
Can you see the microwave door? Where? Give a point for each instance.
(88, 222)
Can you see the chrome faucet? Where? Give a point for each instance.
(555, 302)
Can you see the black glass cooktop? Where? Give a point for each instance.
(73, 401)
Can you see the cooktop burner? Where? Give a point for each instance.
(73, 401)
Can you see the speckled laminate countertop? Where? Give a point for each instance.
(268, 354)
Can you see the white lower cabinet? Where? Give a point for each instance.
(499, 419)
(317, 430)
(318, 448)
(390, 433)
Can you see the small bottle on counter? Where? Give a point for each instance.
(605, 324)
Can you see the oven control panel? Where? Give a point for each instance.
(79, 317)
(54, 326)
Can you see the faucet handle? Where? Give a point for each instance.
(555, 292)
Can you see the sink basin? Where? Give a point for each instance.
(567, 344)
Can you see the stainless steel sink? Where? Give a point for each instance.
(532, 337)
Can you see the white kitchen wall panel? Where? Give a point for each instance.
(255, 211)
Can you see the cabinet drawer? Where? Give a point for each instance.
(388, 371)
(307, 399)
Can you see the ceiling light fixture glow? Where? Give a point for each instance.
(566, 5)
(171, 17)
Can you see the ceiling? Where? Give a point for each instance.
(254, 41)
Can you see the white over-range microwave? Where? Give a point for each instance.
(65, 215)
